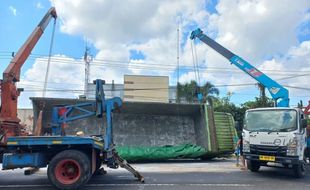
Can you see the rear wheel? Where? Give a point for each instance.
(253, 165)
(69, 169)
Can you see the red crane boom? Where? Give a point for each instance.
(9, 122)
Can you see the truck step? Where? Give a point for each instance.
(30, 171)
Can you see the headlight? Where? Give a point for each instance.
(292, 147)
(246, 146)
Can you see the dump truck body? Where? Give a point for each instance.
(156, 131)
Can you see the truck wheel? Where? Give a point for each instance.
(286, 165)
(300, 169)
(69, 169)
(253, 165)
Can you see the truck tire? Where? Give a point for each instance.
(300, 169)
(69, 169)
(253, 165)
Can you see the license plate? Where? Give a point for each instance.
(267, 158)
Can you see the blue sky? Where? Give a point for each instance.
(15, 29)
(141, 38)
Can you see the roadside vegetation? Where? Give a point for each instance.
(187, 93)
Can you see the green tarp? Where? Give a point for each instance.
(225, 136)
(140, 153)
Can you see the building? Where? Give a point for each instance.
(110, 90)
(146, 88)
(139, 88)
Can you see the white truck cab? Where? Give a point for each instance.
(276, 135)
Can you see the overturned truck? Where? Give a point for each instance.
(155, 131)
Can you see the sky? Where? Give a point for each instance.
(145, 38)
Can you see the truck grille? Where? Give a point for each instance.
(268, 150)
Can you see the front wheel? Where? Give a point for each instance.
(253, 165)
(69, 169)
(300, 169)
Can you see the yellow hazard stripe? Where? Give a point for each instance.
(99, 144)
(12, 143)
(57, 142)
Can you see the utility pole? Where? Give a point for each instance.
(178, 65)
(262, 94)
(87, 60)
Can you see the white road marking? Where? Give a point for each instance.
(140, 185)
(174, 184)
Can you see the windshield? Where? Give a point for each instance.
(271, 120)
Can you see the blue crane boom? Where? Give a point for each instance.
(278, 93)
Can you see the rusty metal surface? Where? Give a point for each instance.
(26, 119)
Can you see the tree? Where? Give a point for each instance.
(259, 102)
(224, 105)
(188, 91)
(238, 112)
(208, 91)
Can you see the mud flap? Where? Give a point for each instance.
(124, 164)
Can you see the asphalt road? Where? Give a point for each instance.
(176, 175)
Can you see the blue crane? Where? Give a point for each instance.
(71, 159)
(278, 93)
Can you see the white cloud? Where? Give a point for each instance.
(66, 78)
(13, 10)
(262, 32)
(116, 27)
(291, 71)
(259, 34)
(297, 60)
(123, 22)
(265, 34)
(39, 5)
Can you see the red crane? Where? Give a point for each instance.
(307, 109)
(9, 122)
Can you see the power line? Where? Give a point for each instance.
(296, 76)
(35, 81)
(137, 89)
(167, 69)
(99, 62)
(300, 88)
(81, 91)
(26, 83)
(140, 66)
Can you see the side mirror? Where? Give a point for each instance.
(304, 123)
